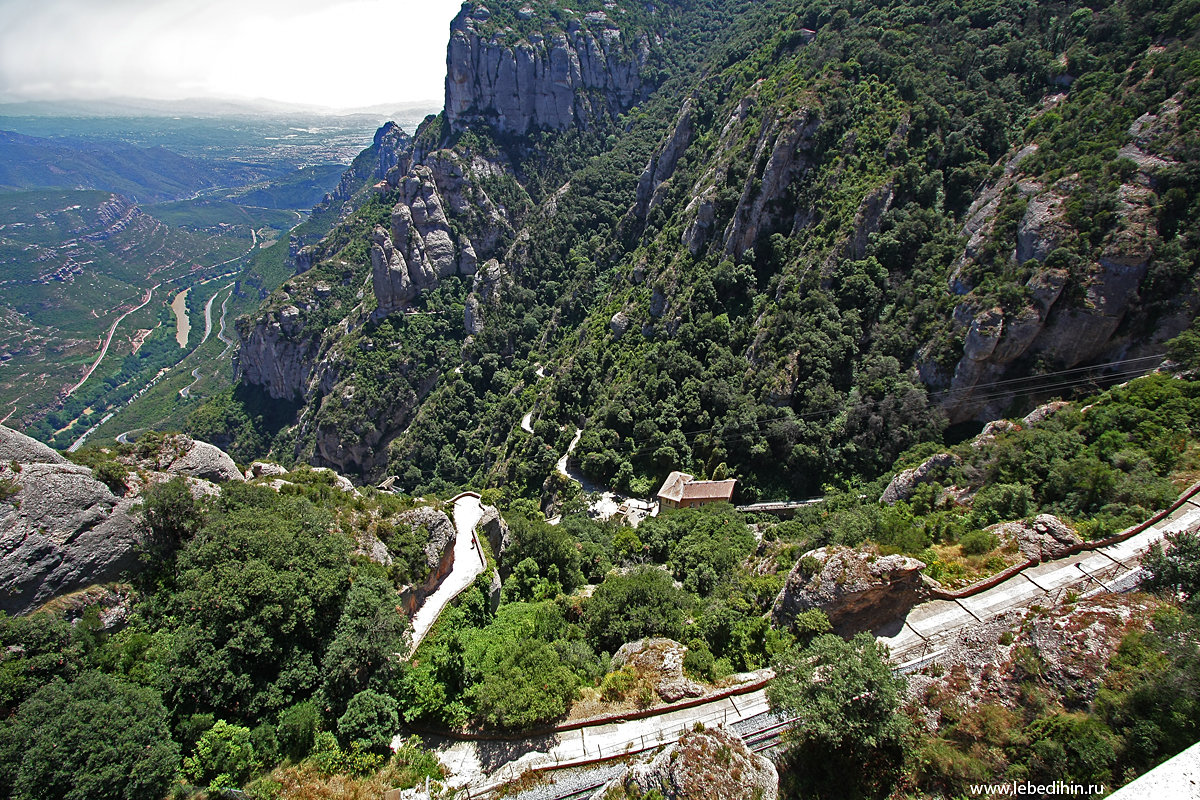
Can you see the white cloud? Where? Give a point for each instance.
(340, 53)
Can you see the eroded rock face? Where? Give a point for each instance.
(16, 446)
(1045, 538)
(661, 661)
(1067, 317)
(710, 764)
(278, 354)
(905, 484)
(858, 589)
(540, 82)
(183, 455)
(62, 531)
(496, 530)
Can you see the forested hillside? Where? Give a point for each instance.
(795, 255)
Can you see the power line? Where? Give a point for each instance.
(996, 393)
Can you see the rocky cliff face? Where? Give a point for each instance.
(1072, 311)
(439, 553)
(564, 70)
(61, 530)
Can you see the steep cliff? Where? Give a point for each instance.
(556, 69)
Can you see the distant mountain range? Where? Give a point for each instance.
(144, 174)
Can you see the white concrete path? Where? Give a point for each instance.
(1045, 583)
(468, 564)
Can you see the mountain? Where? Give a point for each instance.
(796, 256)
(144, 174)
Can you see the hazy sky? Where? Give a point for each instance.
(335, 53)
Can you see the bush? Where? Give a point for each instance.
(371, 720)
(95, 738)
(297, 729)
(224, 757)
(977, 543)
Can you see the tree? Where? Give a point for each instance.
(95, 739)
(529, 685)
(847, 734)
(1177, 569)
(172, 511)
(370, 633)
(224, 757)
(628, 607)
(371, 719)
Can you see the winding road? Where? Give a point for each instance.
(108, 339)
(186, 391)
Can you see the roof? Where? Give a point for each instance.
(680, 486)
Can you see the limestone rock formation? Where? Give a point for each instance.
(858, 589)
(278, 354)
(183, 455)
(15, 446)
(905, 483)
(62, 530)
(263, 469)
(540, 81)
(661, 662)
(495, 529)
(1067, 317)
(1045, 538)
(662, 165)
(708, 764)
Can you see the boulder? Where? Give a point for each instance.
(496, 530)
(1043, 413)
(706, 764)
(858, 589)
(660, 661)
(183, 455)
(263, 469)
(15, 446)
(61, 531)
(905, 483)
(1046, 537)
(619, 324)
(991, 431)
(438, 532)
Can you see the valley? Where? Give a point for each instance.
(710, 401)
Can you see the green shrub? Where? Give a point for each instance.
(370, 719)
(977, 543)
(297, 729)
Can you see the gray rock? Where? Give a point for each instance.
(661, 662)
(18, 447)
(905, 483)
(1045, 538)
(857, 588)
(62, 531)
(619, 324)
(183, 455)
(705, 764)
(496, 530)
(438, 532)
(552, 82)
(1043, 412)
(263, 469)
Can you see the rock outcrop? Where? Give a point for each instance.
(1045, 538)
(661, 662)
(278, 354)
(906, 482)
(554, 80)
(858, 589)
(15, 446)
(496, 530)
(438, 532)
(62, 530)
(1066, 317)
(707, 764)
(183, 455)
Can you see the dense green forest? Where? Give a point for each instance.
(820, 339)
(260, 645)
